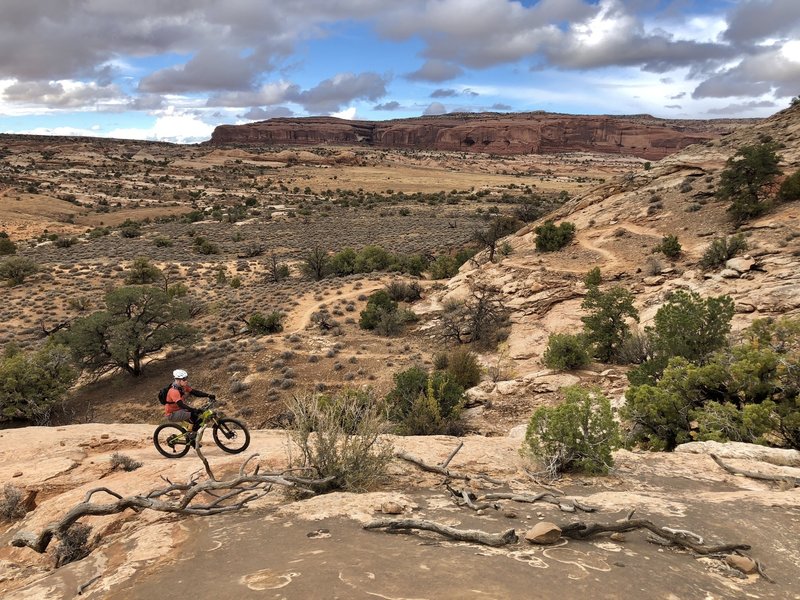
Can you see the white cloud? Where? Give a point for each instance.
(347, 113)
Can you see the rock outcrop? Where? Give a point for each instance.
(519, 133)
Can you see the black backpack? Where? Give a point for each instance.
(162, 394)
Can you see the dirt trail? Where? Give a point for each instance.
(300, 316)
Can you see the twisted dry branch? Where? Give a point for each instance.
(242, 489)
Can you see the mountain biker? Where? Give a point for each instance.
(176, 408)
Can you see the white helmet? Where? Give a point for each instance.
(180, 374)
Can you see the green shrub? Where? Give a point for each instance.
(32, 384)
(575, 436)
(606, 327)
(65, 242)
(745, 393)
(789, 190)
(378, 305)
(565, 352)
(722, 249)
(345, 443)
(7, 247)
(404, 291)
(142, 271)
(669, 246)
(425, 404)
(444, 267)
(593, 278)
(463, 367)
(162, 242)
(747, 179)
(16, 269)
(203, 246)
(260, 324)
(550, 237)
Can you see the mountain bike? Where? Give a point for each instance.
(173, 440)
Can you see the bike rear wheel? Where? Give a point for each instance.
(231, 435)
(171, 440)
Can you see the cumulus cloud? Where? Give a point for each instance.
(500, 106)
(268, 94)
(769, 71)
(391, 105)
(330, 95)
(262, 114)
(443, 93)
(752, 21)
(737, 109)
(209, 69)
(60, 94)
(436, 71)
(435, 108)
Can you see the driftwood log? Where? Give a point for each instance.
(564, 504)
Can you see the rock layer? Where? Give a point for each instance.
(520, 133)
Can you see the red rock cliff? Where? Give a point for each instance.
(520, 133)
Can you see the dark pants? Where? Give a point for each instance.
(185, 415)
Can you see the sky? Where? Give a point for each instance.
(172, 70)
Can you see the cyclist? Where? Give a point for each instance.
(176, 408)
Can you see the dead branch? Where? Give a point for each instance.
(795, 481)
(442, 469)
(226, 496)
(452, 454)
(460, 535)
(55, 328)
(688, 540)
(564, 504)
(464, 497)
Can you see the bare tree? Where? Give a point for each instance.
(498, 228)
(479, 317)
(315, 263)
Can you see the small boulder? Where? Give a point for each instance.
(729, 274)
(741, 264)
(543, 533)
(391, 508)
(745, 564)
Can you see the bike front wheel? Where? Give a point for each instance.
(231, 435)
(171, 440)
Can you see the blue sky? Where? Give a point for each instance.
(172, 70)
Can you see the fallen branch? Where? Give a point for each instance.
(684, 539)
(565, 504)
(795, 481)
(242, 489)
(460, 535)
(442, 469)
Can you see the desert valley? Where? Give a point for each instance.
(316, 261)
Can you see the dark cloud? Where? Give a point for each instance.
(267, 95)
(207, 70)
(738, 109)
(768, 72)
(392, 105)
(501, 106)
(435, 108)
(753, 21)
(442, 93)
(436, 71)
(676, 106)
(262, 114)
(678, 96)
(334, 93)
(147, 102)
